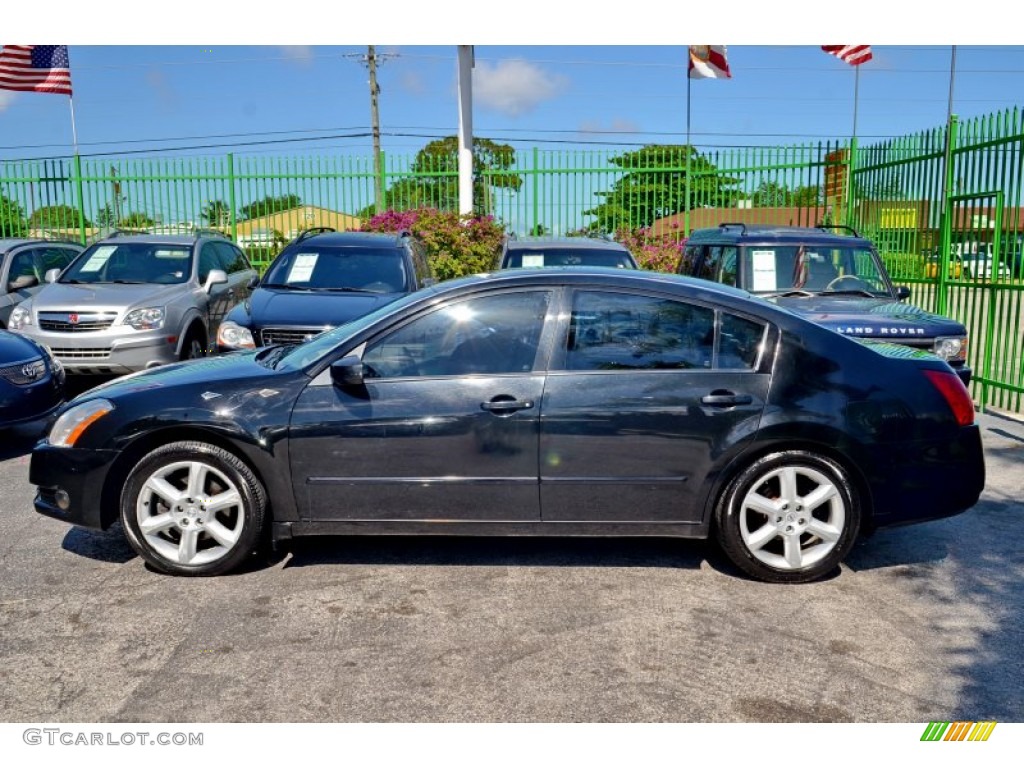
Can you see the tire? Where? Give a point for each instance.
(766, 527)
(193, 347)
(184, 536)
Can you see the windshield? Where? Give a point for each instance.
(567, 257)
(774, 269)
(322, 268)
(131, 263)
(303, 355)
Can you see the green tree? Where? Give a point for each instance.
(137, 220)
(106, 217)
(434, 180)
(656, 185)
(772, 194)
(217, 213)
(808, 196)
(268, 205)
(55, 217)
(12, 218)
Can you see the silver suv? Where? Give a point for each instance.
(137, 301)
(22, 266)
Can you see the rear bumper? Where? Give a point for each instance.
(79, 473)
(930, 480)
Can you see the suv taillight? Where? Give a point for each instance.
(956, 395)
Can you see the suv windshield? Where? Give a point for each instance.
(131, 263)
(566, 257)
(812, 269)
(324, 268)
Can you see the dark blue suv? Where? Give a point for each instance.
(323, 279)
(835, 280)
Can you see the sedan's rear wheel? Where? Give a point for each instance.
(789, 517)
(193, 509)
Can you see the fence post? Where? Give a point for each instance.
(851, 166)
(383, 179)
(536, 192)
(946, 230)
(77, 170)
(231, 198)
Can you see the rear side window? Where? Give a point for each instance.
(620, 331)
(691, 255)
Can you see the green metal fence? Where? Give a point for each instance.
(943, 206)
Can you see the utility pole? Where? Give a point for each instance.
(378, 186)
(466, 131)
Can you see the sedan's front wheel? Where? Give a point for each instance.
(790, 516)
(193, 509)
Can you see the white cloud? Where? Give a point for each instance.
(412, 82)
(298, 54)
(514, 87)
(618, 125)
(6, 97)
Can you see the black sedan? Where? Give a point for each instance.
(31, 380)
(581, 402)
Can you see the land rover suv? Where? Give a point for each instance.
(835, 279)
(130, 302)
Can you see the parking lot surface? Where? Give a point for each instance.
(923, 623)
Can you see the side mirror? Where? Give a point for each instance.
(216, 277)
(347, 372)
(902, 293)
(253, 283)
(25, 281)
(51, 275)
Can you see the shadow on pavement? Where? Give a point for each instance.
(109, 546)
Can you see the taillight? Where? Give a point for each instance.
(956, 395)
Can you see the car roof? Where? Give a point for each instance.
(159, 239)
(374, 239)
(563, 242)
(7, 243)
(743, 233)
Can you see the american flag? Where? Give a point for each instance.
(40, 68)
(851, 54)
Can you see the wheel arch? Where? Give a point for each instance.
(131, 454)
(732, 467)
(193, 321)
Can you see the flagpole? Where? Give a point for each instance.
(74, 131)
(856, 95)
(686, 212)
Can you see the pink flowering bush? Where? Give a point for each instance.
(658, 253)
(456, 245)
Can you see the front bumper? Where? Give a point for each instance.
(20, 404)
(78, 472)
(109, 352)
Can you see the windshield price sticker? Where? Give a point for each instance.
(533, 259)
(99, 258)
(764, 271)
(302, 268)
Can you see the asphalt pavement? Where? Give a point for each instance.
(922, 623)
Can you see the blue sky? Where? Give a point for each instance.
(554, 96)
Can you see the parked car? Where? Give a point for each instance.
(575, 401)
(980, 265)
(564, 252)
(323, 279)
(931, 266)
(31, 381)
(23, 263)
(133, 302)
(836, 280)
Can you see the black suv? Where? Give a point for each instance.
(564, 252)
(323, 279)
(836, 280)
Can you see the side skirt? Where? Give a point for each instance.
(288, 530)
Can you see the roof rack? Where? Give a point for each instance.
(207, 232)
(312, 231)
(827, 227)
(739, 224)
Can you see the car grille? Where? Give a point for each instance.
(73, 353)
(24, 373)
(73, 322)
(270, 336)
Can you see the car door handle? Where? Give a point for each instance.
(725, 398)
(505, 404)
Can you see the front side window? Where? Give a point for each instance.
(325, 268)
(496, 334)
(131, 263)
(620, 331)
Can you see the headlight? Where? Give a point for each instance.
(20, 317)
(235, 336)
(73, 422)
(951, 347)
(149, 319)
